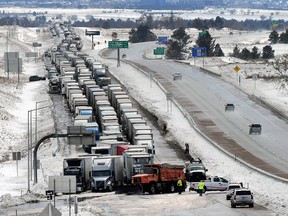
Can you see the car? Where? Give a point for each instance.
(177, 76)
(229, 107)
(195, 171)
(255, 129)
(230, 189)
(242, 197)
(36, 78)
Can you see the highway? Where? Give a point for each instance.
(204, 96)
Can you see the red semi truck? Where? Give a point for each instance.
(158, 178)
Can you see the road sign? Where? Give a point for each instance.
(237, 68)
(91, 32)
(162, 39)
(31, 54)
(49, 194)
(62, 184)
(78, 135)
(36, 44)
(254, 76)
(199, 52)
(159, 51)
(117, 44)
(16, 155)
(169, 95)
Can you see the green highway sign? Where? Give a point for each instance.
(159, 51)
(117, 44)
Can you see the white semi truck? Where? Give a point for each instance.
(107, 172)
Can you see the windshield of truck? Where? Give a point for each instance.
(138, 169)
(142, 160)
(197, 168)
(149, 171)
(102, 173)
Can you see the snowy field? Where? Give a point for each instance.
(17, 98)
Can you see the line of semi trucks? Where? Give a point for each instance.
(124, 150)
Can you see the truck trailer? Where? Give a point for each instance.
(79, 167)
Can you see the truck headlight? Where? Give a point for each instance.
(109, 182)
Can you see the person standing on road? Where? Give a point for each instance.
(201, 186)
(179, 185)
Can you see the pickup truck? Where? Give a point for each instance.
(213, 183)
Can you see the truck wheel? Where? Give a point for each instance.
(152, 188)
(172, 188)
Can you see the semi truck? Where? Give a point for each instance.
(79, 167)
(160, 178)
(107, 172)
(134, 162)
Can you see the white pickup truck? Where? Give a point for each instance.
(213, 183)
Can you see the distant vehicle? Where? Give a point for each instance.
(36, 78)
(242, 197)
(229, 107)
(255, 129)
(177, 76)
(231, 188)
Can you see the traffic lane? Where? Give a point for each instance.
(199, 92)
(220, 197)
(188, 203)
(199, 84)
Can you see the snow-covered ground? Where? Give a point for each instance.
(17, 98)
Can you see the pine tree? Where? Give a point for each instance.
(142, 34)
(236, 52)
(274, 36)
(218, 51)
(176, 46)
(245, 54)
(205, 40)
(267, 53)
(255, 53)
(283, 37)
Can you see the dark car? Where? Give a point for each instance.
(195, 171)
(229, 107)
(36, 78)
(177, 76)
(255, 129)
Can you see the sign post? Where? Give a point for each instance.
(237, 69)
(92, 33)
(159, 51)
(169, 97)
(199, 52)
(16, 156)
(116, 44)
(162, 40)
